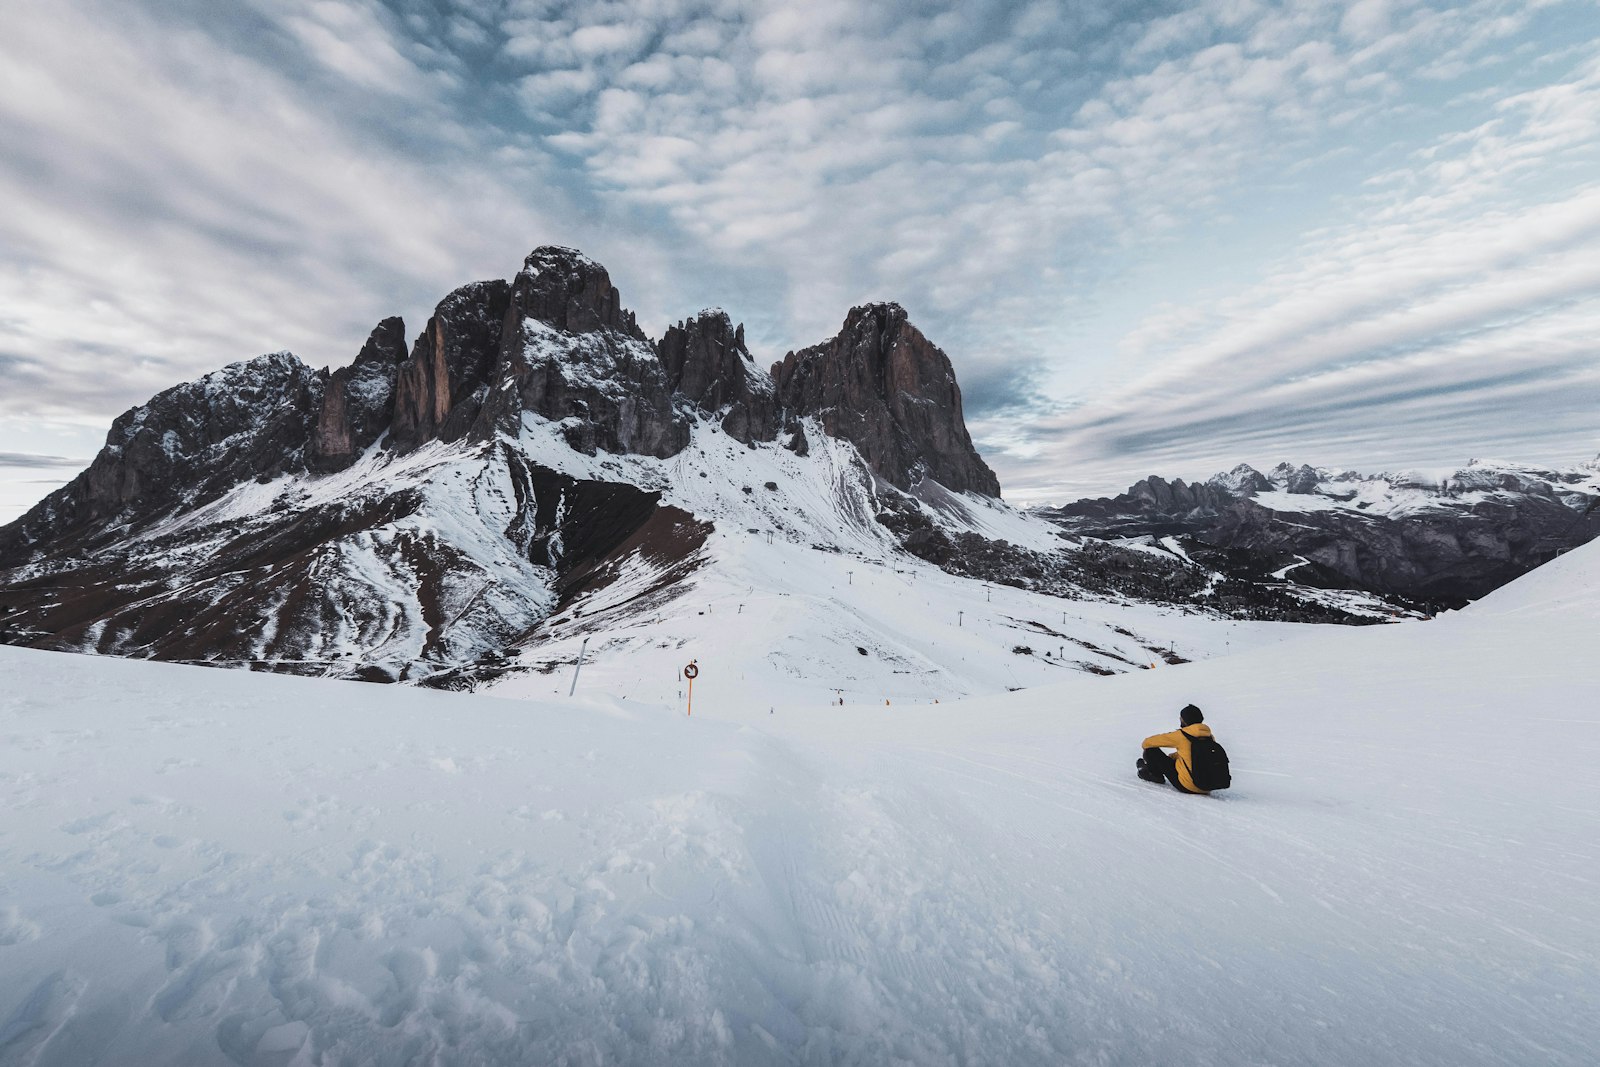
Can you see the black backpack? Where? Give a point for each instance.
(1208, 764)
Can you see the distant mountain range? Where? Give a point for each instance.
(535, 467)
(1435, 539)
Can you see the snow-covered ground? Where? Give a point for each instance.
(804, 598)
(786, 624)
(201, 866)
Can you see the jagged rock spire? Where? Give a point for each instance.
(891, 392)
(358, 402)
(708, 367)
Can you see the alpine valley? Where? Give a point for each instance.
(536, 483)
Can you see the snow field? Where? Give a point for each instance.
(786, 625)
(799, 581)
(215, 867)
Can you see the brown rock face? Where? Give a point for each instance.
(570, 351)
(708, 365)
(567, 290)
(358, 401)
(884, 387)
(439, 390)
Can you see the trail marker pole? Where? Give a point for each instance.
(958, 617)
(581, 650)
(691, 672)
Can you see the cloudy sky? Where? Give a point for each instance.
(1154, 237)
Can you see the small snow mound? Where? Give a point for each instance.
(1568, 585)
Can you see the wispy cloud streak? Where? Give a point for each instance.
(1149, 234)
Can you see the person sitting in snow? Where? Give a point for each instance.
(1156, 766)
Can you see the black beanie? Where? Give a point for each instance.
(1190, 715)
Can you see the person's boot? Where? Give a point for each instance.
(1148, 774)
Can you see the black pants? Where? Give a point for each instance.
(1158, 765)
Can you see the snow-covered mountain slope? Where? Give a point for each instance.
(472, 562)
(358, 573)
(800, 595)
(382, 520)
(437, 564)
(1439, 538)
(215, 867)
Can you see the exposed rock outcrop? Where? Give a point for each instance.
(884, 387)
(571, 352)
(440, 390)
(1301, 480)
(1177, 500)
(184, 447)
(1441, 541)
(358, 400)
(708, 366)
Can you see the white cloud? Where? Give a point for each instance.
(351, 42)
(616, 39)
(1451, 313)
(1366, 19)
(1002, 169)
(173, 207)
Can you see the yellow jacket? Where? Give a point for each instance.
(1179, 739)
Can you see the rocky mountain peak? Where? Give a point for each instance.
(1442, 537)
(708, 366)
(183, 447)
(358, 400)
(1178, 497)
(385, 346)
(1299, 480)
(569, 291)
(556, 342)
(438, 392)
(1243, 480)
(573, 354)
(883, 386)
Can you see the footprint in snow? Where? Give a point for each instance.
(87, 823)
(187, 940)
(37, 1019)
(14, 929)
(200, 989)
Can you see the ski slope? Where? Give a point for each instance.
(213, 867)
(802, 597)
